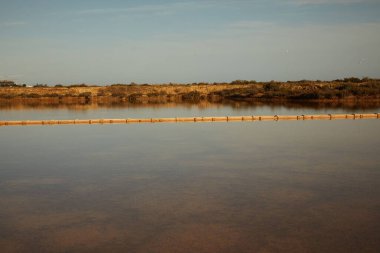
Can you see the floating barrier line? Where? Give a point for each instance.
(191, 119)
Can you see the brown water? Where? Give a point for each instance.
(303, 186)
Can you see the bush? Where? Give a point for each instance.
(6, 83)
(272, 86)
(242, 82)
(78, 85)
(192, 96)
(352, 80)
(311, 95)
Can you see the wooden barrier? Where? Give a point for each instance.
(192, 119)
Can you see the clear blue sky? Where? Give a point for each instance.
(121, 41)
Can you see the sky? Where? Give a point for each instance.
(161, 41)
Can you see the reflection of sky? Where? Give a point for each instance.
(223, 187)
(187, 41)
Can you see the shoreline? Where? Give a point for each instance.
(338, 91)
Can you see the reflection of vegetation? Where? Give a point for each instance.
(111, 102)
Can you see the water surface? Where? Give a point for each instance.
(51, 111)
(297, 186)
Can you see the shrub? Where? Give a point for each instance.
(241, 82)
(192, 96)
(78, 85)
(7, 83)
(352, 80)
(272, 86)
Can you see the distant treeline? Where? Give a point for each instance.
(9, 83)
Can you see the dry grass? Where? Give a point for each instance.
(240, 90)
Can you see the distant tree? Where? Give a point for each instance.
(40, 85)
(7, 83)
(79, 85)
(240, 82)
(366, 79)
(352, 80)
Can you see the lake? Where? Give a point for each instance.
(287, 186)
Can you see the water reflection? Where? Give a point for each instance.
(7, 104)
(24, 110)
(226, 187)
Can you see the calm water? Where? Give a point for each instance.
(92, 111)
(290, 186)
